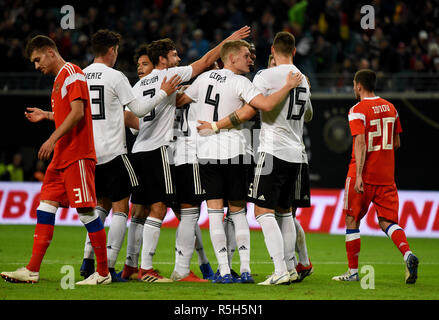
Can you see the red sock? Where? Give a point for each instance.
(42, 237)
(353, 245)
(98, 241)
(400, 240)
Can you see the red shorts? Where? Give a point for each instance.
(72, 186)
(384, 198)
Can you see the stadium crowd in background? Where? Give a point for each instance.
(328, 32)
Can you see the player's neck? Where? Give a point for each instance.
(58, 64)
(232, 68)
(282, 59)
(103, 60)
(369, 94)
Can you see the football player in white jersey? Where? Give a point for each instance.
(187, 155)
(110, 91)
(280, 156)
(151, 157)
(223, 158)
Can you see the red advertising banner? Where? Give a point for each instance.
(418, 211)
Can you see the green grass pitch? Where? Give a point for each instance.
(327, 252)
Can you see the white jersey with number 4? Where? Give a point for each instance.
(218, 94)
(282, 128)
(156, 128)
(110, 91)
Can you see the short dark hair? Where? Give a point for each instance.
(102, 40)
(367, 78)
(39, 42)
(142, 50)
(284, 43)
(160, 48)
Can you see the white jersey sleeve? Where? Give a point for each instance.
(124, 90)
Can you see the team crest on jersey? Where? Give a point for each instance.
(57, 87)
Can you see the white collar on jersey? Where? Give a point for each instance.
(371, 98)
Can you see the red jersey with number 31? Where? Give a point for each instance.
(378, 120)
(70, 85)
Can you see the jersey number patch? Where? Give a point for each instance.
(212, 102)
(296, 101)
(98, 101)
(385, 130)
(150, 115)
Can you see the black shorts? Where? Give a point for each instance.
(274, 181)
(301, 189)
(188, 184)
(225, 179)
(116, 179)
(156, 177)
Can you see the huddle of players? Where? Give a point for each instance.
(172, 166)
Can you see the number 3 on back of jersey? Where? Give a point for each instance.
(150, 115)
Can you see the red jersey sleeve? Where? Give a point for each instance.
(76, 87)
(357, 120)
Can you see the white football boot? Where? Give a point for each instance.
(95, 279)
(275, 279)
(21, 275)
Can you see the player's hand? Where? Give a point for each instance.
(172, 85)
(294, 80)
(46, 149)
(242, 33)
(35, 114)
(359, 188)
(205, 129)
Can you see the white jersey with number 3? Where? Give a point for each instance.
(282, 128)
(156, 128)
(110, 91)
(218, 94)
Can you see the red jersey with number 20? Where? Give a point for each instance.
(378, 120)
(70, 85)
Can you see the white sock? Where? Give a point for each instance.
(151, 234)
(288, 230)
(242, 231)
(202, 258)
(185, 239)
(88, 249)
(301, 244)
(229, 230)
(116, 236)
(273, 241)
(134, 241)
(218, 238)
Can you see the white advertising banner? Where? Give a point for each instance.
(418, 211)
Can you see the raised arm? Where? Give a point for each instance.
(141, 107)
(210, 57)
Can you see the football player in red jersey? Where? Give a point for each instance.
(375, 127)
(69, 179)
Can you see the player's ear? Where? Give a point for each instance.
(294, 51)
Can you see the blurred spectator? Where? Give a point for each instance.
(15, 169)
(40, 170)
(405, 37)
(199, 45)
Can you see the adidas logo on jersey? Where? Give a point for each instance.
(243, 247)
(261, 197)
